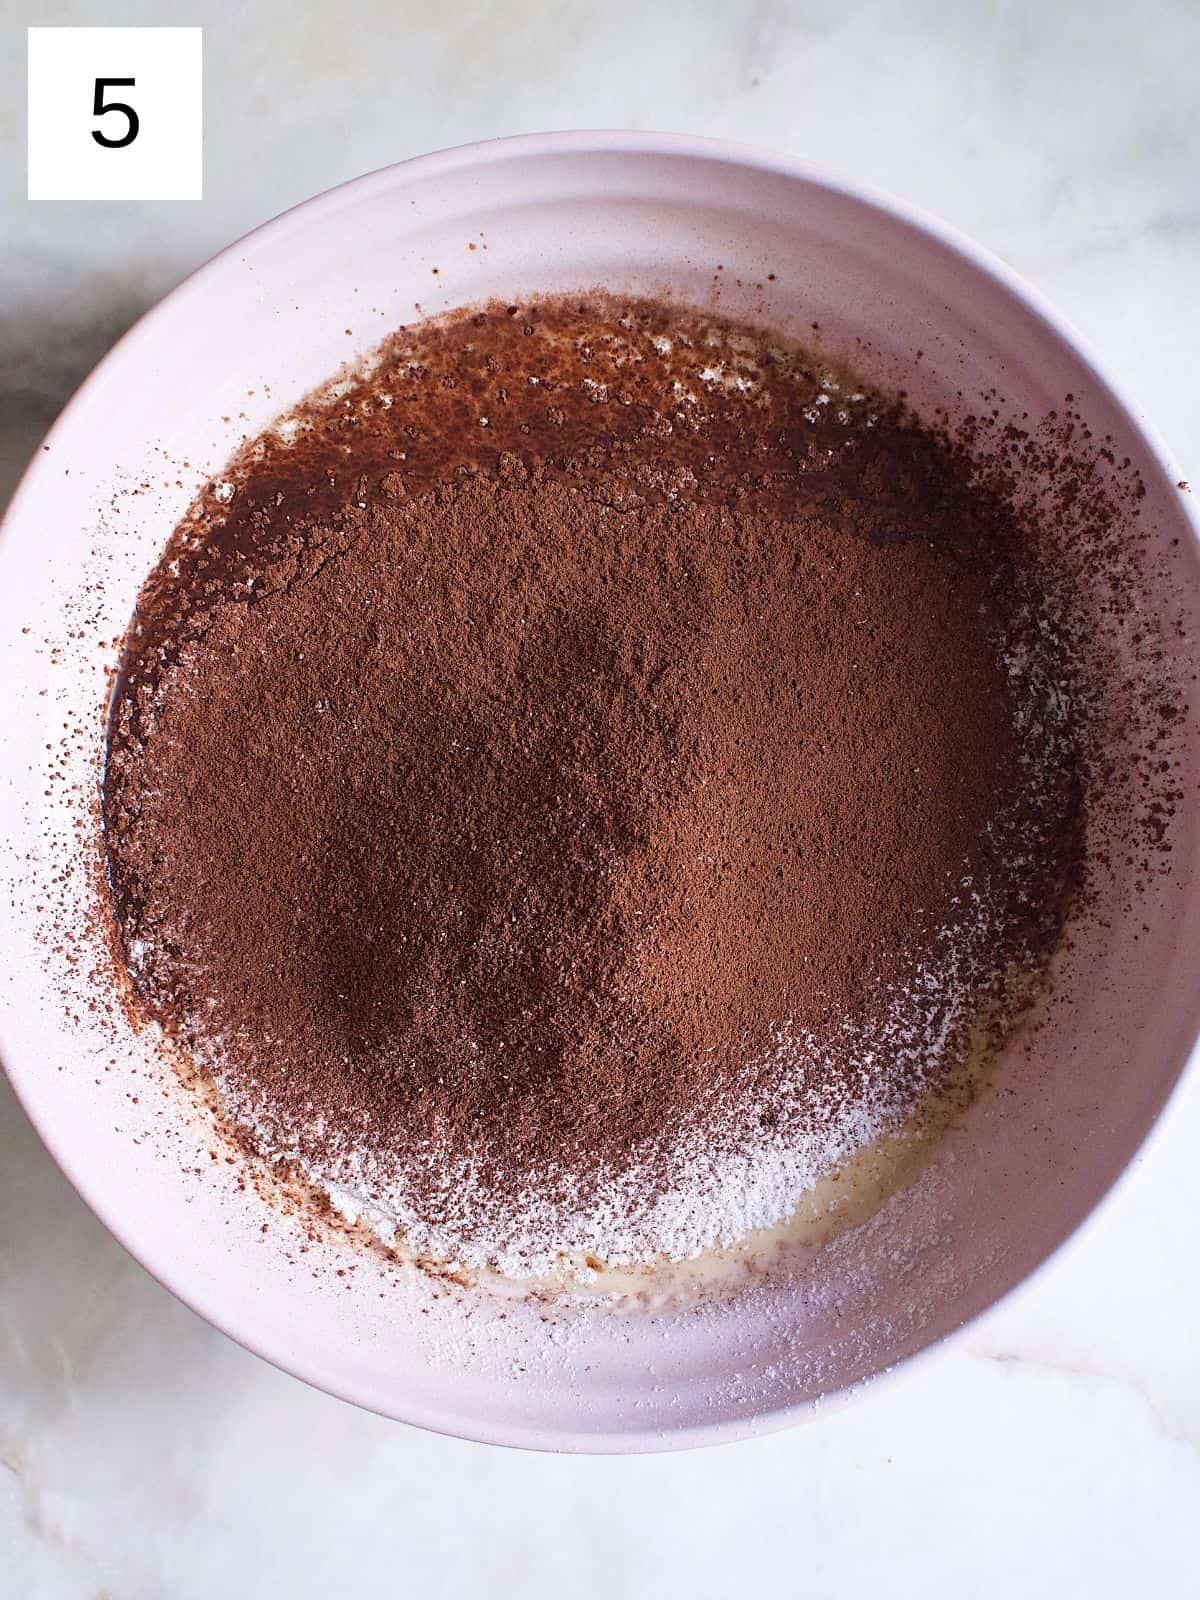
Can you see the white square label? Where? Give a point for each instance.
(116, 114)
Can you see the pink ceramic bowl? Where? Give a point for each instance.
(240, 340)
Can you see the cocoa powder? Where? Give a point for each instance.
(540, 791)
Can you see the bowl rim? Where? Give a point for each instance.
(478, 155)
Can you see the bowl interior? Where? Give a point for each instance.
(243, 339)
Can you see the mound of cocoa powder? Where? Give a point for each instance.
(508, 795)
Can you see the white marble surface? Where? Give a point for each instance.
(1053, 1451)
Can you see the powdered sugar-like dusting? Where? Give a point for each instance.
(723, 1191)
